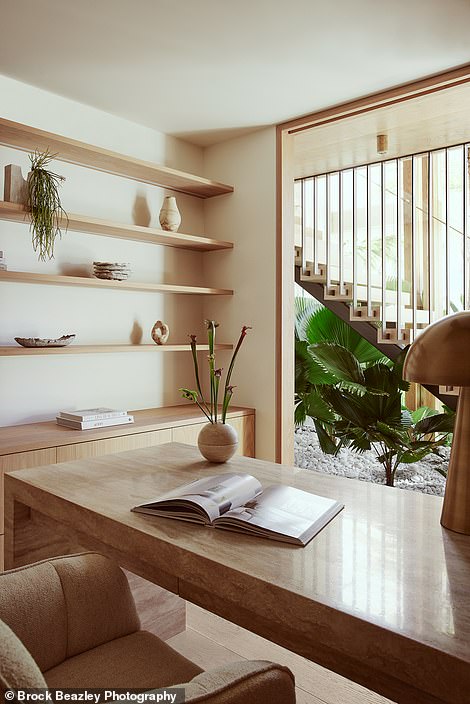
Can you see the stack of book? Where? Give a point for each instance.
(93, 418)
(3, 262)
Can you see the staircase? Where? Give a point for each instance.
(385, 246)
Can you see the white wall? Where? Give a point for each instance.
(248, 218)
(36, 388)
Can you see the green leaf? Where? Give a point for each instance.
(442, 472)
(388, 430)
(300, 414)
(347, 406)
(423, 412)
(409, 456)
(304, 308)
(440, 423)
(338, 360)
(189, 394)
(325, 326)
(391, 435)
(357, 389)
(360, 441)
(307, 370)
(380, 376)
(327, 444)
(386, 408)
(398, 369)
(316, 407)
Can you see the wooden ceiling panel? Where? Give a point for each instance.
(424, 123)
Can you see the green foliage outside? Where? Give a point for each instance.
(355, 395)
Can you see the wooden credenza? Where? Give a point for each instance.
(36, 444)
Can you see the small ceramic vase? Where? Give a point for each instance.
(217, 442)
(15, 187)
(170, 218)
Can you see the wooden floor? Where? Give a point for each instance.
(211, 641)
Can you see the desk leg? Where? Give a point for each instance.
(17, 515)
(30, 536)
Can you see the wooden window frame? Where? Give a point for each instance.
(285, 230)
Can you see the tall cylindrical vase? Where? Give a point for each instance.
(170, 218)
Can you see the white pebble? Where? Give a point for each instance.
(419, 476)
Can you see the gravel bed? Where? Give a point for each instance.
(419, 476)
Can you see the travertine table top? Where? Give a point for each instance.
(381, 595)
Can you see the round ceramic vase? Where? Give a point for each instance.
(217, 442)
(170, 218)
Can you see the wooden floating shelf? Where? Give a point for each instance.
(94, 226)
(15, 134)
(12, 351)
(26, 277)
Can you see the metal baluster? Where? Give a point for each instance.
(447, 269)
(384, 251)
(354, 241)
(399, 267)
(465, 227)
(314, 227)
(431, 294)
(340, 233)
(302, 225)
(368, 242)
(413, 250)
(327, 230)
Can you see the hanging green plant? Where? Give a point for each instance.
(47, 213)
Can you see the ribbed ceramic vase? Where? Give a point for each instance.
(170, 218)
(217, 442)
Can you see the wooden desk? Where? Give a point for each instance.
(380, 596)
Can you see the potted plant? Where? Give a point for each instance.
(217, 440)
(44, 204)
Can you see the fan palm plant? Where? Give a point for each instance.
(354, 396)
(313, 324)
(365, 406)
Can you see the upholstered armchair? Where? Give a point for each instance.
(72, 622)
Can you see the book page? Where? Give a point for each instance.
(284, 511)
(215, 495)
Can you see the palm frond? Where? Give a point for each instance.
(304, 308)
(440, 423)
(423, 412)
(325, 326)
(327, 442)
(338, 360)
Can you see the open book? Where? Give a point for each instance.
(237, 502)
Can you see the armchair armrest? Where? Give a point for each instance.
(242, 682)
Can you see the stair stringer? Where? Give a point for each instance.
(365, 328)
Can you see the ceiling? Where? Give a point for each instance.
(206, 70)
(421, 124)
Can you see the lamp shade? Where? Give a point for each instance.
(441, 353)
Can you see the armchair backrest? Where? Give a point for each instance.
(64, 606)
